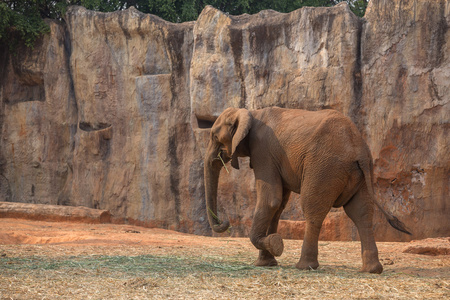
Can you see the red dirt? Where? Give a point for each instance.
(100, 238)
(18, 231)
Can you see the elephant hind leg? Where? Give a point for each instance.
(360, 211)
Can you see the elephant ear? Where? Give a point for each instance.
(243, 123)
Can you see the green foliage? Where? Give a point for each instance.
(165, 9)
(101, 5)
(358, 7)
(22, 20)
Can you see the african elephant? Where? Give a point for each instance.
(317, 154)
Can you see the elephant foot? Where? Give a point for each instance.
(375, 268)
(371, 263)
(274, 244)
(307, 265)
(269, 262)
(265, 259)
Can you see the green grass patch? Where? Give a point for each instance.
(142, 265)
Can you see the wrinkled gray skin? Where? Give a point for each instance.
(320, 155)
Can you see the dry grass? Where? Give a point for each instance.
(192, 267)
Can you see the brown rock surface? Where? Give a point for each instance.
(432, 247)
(113, 110)
(405, 111)
(38, 121)
(300, 60)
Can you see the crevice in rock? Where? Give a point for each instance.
(355, 108)
(204, 122)
(86, 126)
(24, 93)
(174, 176)
(236, 48)
(5, 188)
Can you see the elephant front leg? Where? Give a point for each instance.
(273, 244)
(308, 259)
(263, 233)
(315, 208)
(265, 258)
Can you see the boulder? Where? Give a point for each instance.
(430, 246)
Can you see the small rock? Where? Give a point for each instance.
(432, 246)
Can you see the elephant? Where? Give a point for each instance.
(320, 155)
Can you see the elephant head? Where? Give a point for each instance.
(227, 133)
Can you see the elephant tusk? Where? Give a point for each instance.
(220, 157)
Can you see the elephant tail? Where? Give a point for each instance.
(366, 167)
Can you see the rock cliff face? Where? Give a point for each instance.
(405, 108)
(113, 111)
(38, 120)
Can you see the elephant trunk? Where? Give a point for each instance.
(211, 171)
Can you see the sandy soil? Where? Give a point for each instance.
(24, 239)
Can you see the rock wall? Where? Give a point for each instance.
(405, 110)
(113, 110)
(38, 120)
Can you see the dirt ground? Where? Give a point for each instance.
(84, 261)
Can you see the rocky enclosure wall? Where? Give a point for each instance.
(113, 110)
